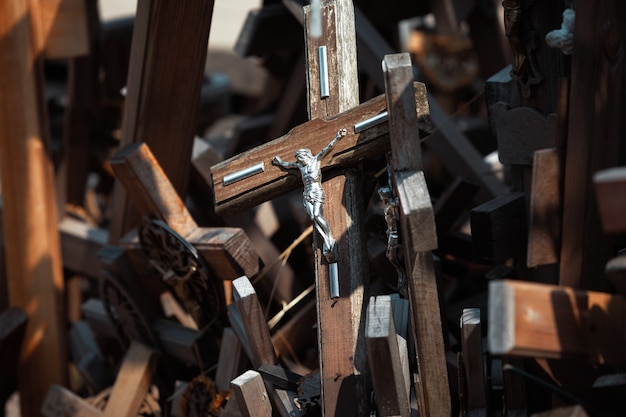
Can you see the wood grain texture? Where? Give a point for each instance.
(149, 188)
(385, 359)
(29, 212)
(167, 61)
(251, 395)
(550, 321)
(254, 324)
(62, 28)
(594, 135)
(227, 250)
(132, 382)
(544, 228)
(314, 134)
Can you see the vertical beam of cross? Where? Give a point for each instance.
(419, 236)
(343, 361)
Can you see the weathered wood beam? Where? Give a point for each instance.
(29, 213)
(550, 321)
(544, 223)
(385, 360)
(250, 394)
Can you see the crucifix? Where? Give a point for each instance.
(314, 198)
(250, 178)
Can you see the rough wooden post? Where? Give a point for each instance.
(33, 255)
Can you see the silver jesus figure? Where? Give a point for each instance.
(313, 194)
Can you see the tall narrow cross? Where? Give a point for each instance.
(419, 236)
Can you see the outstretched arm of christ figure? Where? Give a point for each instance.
(327, 148)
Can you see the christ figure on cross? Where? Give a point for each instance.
(313, 194)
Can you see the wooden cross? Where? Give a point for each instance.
(419, 236)
(343, 362)
(227, 251)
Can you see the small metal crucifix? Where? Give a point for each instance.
(313, 200)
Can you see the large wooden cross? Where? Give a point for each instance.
(250, 178)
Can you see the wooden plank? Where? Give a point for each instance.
(61, 402)
(61, 27)
(168, 40)
(132, 382)
(544, 228)
(149, 188)
(29, 212)
(550, 321)
(419, 237)
(251, 395)
(473, 363)
(257, 337)
(610, 192)
(595, 63)
(254, 322)
(385, 360)
(231, 360)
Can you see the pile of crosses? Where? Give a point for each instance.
(426, 220)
